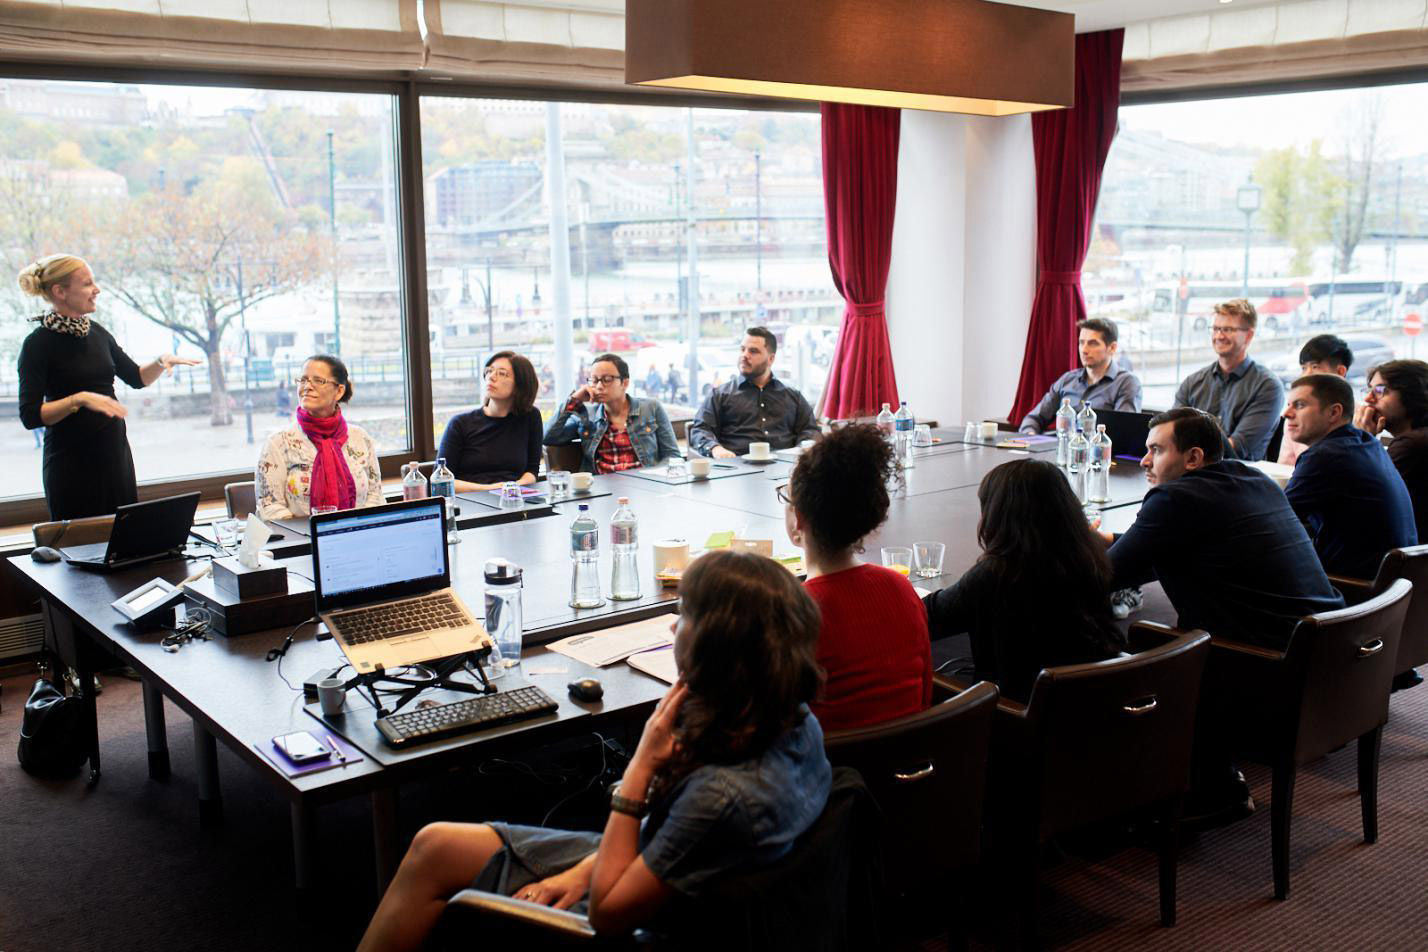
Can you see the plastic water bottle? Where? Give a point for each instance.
(1080, 460)
(903, 424)
(624, 542)
(443, 483)
(585, 561)
(1098, 480)
(413, 482)
(503, 615)
(886, 423)
(1086, 421)
(1065, 426)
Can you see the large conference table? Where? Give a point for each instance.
(236, 697)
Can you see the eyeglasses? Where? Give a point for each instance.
(1378, 389)
(604, 380)
(1226, 330)
(497, 373)
(782, 493)
(314, 381)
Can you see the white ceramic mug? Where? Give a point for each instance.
(671, 555)
(759, 451)
(582, 481)
(699, 466)
(989, 430)
(331, 695)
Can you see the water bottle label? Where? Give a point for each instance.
(584, 541)
(622, 535)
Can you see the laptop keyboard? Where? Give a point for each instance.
(411, 616)
(470, 714)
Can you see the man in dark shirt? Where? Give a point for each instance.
(1245, 397)
(753, 407)
(1100, 381)
(1230, 553)
(1344, 488)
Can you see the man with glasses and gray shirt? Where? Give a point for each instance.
(1243, 395)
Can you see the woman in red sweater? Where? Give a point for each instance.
(873, 644)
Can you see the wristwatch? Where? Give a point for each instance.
(625, 805)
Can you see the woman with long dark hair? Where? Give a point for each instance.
(729, 772)
(499, 441)
(1039, 595)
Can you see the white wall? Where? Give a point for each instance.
(963, 265)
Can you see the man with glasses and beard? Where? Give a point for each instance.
(1243, 395)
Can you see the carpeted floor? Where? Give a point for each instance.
(125, 865)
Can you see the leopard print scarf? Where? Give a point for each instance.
(55, 321)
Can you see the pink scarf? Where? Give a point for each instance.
(331, 483)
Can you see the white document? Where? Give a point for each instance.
(601, 648)
(658, 663)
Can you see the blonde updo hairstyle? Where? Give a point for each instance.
(37, 279)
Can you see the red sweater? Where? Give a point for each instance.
(873, 647)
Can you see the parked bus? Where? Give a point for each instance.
(1278, 303)
(1354, 301)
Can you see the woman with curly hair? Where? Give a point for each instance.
(873, 645)
(729, 772)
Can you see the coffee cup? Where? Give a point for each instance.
(671, 555)
(582, 481)
(759, 451)
(699, 467)
(989, 430)
(331, 695)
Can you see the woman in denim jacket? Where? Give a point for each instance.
(616, 431)
(729, 772)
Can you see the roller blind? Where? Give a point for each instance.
(572, 42)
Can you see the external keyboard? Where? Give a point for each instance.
(428, 613)
(459, 717)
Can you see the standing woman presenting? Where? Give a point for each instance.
(67, 368)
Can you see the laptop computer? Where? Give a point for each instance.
(143, 532)
(382, 582)
(1127, 430)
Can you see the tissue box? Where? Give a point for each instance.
(236, 579)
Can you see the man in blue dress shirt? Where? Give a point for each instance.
(1345, 488)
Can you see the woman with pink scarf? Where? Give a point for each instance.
(321, 461)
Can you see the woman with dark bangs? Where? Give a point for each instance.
(1039, 595)
(728, 774)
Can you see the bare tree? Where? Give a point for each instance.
(36, 219)
(1363, 152)
(191, 262)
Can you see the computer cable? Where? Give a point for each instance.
(277, 654)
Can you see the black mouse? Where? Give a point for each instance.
(587, 689)
(43, 553)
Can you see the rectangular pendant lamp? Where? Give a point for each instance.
(966, 56)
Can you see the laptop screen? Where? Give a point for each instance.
(369, 555)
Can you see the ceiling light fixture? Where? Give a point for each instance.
(966, 56)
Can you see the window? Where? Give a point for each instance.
(244, 228)
(1324, 195)
(761, 255)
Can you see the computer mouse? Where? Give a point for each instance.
(43, 553)
(587, 689)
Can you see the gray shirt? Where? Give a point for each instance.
(1247, 401)
(1118, 390)
(739, 413)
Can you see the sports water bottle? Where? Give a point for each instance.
(903, 424)
(1086, 421)
(886, 423)
(624, 542)
(585, 561)
(1065, 426)
(413, 482)
(1098, 480)
(503, 615)
(443, 483)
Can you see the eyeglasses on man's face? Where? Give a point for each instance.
(1225, 330)
(314, 381)
(1377, 390)
(604, 380)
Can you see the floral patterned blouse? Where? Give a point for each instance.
(285, 469)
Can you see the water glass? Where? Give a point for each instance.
(510, 495)
(922, 435)
(322, 510)
(927, 558)
(898, 558)
(675, 468)
(559, 480)
(226, 531)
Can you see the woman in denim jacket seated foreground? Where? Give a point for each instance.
(728, 774)
(616, 431)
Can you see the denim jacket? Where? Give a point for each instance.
(650, 431)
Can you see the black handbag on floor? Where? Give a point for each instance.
(52, 732)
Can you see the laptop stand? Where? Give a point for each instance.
(442, 672)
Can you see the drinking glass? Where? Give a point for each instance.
(927, 558)
(675, 468)
(510, 495)
(226, 531)
(320, 510)
(922, 435)
(898, 558)
(559, 480)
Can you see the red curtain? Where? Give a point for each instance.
(859, 194)
(1071, 147)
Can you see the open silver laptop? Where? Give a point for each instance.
(383, 586)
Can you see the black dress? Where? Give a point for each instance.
(88, 468)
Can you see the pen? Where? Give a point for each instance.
(341, 757)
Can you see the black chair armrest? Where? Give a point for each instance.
(543, 922)
(1145, 635)
(1355, 590)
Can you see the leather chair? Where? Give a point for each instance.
(1094, 742)
(86, 531)
(1409, 563)
(241, 498)
(1328, 687)
(822, 887)
(566, 456)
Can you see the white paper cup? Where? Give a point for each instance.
(671, 555)
(700, 465)
(989, 430)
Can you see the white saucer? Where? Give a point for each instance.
(760, 459)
